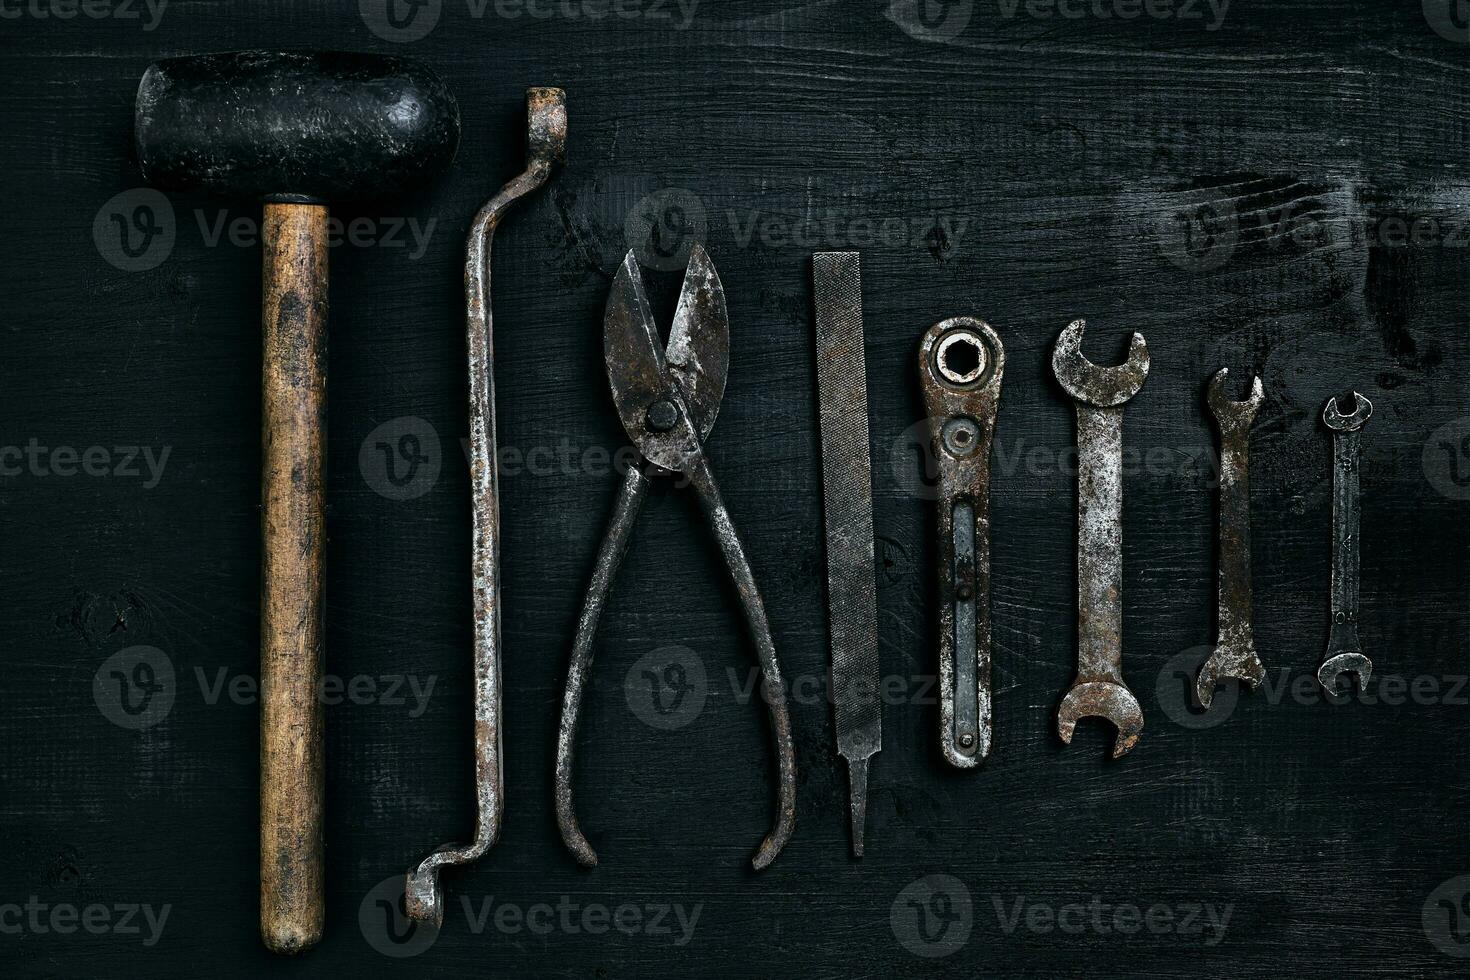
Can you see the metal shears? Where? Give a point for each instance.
(667, 397)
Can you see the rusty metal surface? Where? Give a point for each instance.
(1235, 654)
(1100, 393)
(961, 364)
(847, 512)
(667, 397)
(546, 144)
(1344, 650)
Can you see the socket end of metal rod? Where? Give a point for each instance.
(857, 777)
(423, 900)
(546, 119)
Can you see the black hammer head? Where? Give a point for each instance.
(293, 125)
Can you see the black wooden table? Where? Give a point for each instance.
(1274, 188)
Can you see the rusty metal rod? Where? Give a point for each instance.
(546, 145)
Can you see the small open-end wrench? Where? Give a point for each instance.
(1235, 650)
(1344, 650)
(961, 361)
(1099, 393)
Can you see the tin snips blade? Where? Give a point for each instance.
(847, 497)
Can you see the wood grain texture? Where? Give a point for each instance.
(293, 318)
(1084, 167)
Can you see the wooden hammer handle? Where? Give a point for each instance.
(293, 539)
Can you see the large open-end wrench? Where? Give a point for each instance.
(961, 362)
(1344, 650)
(1235, 650)
(1099, 392)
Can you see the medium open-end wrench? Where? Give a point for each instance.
(1099, 393)
(1344, 650)
(961, 362)
(1235, 650)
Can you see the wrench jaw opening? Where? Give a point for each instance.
(1102, 699)
(1229, 663)
(1229, 412)
(1344, 656)
(1344, 663)
(1338, 422)
(1101, 387)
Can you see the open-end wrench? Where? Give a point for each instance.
(1099, 392)
(961, 362)
(1235, 650)
(1344, 650)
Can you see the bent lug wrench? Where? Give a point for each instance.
(1099, 392)
(1235, 651)
(961, 362)
(1344, 650)
(545, 145)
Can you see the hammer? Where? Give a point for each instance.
(293, 129)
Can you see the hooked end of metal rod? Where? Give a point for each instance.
(857, 777)
(423, 900)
